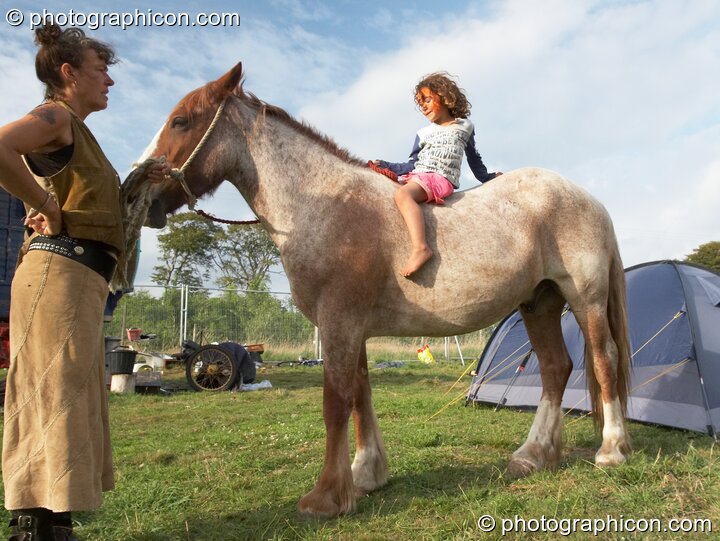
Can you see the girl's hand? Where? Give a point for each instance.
(375, 166)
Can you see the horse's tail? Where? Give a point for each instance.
(618, 323)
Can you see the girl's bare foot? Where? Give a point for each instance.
(417, 259)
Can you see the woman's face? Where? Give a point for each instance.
(91, 82)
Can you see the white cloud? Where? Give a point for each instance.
(383, 19)
(620, 97)
(615, 96)
(19, 86)
(708, 194)
(304, 10)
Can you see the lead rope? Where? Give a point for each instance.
(179, 175)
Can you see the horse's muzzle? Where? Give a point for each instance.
(156, 218)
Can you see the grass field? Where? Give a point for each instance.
(232, 466)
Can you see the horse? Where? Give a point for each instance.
(529, 239)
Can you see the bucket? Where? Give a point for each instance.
(121, 361)
(134, 334)
(111, 342)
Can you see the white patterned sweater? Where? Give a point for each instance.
(442, 149)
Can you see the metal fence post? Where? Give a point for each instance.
(184, 292)
(457, 343)
(318, 344)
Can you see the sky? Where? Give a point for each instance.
(621, 97)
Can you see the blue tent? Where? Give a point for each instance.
(674, 316)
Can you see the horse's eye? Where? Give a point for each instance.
(179, 122)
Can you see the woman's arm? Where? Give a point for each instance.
(45, 128)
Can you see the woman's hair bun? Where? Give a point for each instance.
(48, 34)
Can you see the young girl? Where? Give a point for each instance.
(433, 170)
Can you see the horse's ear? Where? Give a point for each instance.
(229, 82)
(236, 74)
(226, 85)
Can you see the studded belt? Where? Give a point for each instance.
(92, 254)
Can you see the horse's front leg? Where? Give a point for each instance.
(334, 492)
(370, 468)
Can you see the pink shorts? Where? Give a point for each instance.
(436, 186)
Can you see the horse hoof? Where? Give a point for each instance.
(522, 467)
(313, 506)
(360, 491)
(311, 510)
(613, 453)
(363, 489)
(367, 480)
(610, 459)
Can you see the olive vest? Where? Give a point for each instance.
(87, 190)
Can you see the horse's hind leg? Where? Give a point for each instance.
(602, 354)
(543, 446)
(370, 470)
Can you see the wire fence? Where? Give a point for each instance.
(208, 315)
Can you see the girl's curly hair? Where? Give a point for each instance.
(57, 47)
(444, 85)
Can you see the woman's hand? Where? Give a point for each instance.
(46, 221)
(159, 171)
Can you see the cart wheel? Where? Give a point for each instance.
(211, 368)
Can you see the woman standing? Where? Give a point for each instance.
(56, 455)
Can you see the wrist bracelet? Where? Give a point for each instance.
(34, 212)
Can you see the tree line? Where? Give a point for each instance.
(707, 255)
(237, 259)
(212, 316)
(195, 251)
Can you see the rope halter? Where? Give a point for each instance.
(179, 174)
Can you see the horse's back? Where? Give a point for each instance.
(523, 209)
(495, 243)
(537, 208)
(548, 228)
(531, 190)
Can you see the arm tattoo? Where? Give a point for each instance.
(44, 113)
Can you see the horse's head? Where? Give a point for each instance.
(179, 138)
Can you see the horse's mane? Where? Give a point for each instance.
(209, 96)
(303, 128)
(197, 102)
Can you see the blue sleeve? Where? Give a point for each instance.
(402, 168)
(475, 161)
